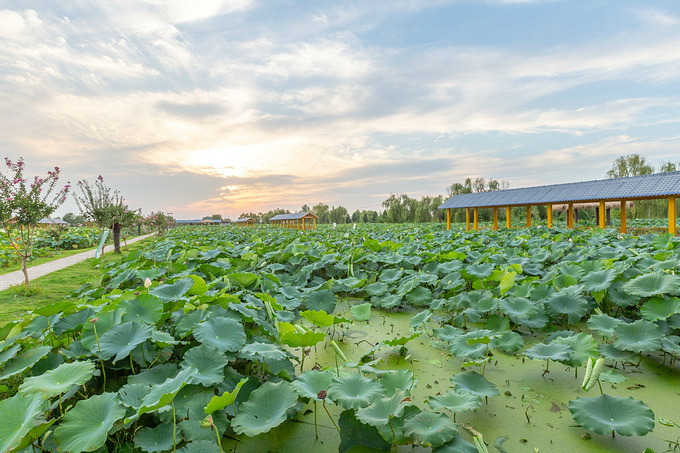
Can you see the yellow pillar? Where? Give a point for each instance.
(495, 218)
(476, 219)
(448, 219)
(570, 215)
(315, 223)
(549, 215)
(671, 215)
(529, 216)
(467, 219)
(508, 217)
(603, 219)
(623, 216)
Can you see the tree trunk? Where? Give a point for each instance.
(24, 270)
(116, 237)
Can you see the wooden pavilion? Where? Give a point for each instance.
(622, 190)
(298, 220)
(246, 221)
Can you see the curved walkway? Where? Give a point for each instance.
(16, 277)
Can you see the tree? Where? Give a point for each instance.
(22, 207)
(105, 207)
(669, 166)
(305, 208)
(321, 210)
(73, 219)
(159, 222)
(630, 165)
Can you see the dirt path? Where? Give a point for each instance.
(17, 277)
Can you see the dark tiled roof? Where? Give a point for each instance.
(656, 185)
(294, 216)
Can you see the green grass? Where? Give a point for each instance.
(58, 285)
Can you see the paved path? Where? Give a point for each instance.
(17, 277)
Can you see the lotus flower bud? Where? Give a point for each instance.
(207, 422)
(147, 282)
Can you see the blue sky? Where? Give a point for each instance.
(234, 106)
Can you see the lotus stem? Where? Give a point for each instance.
(219, 442)
(276, 441)
(174, 428)
(132, 365)
(316, 428)
(394, 436)
(99, 347)
(331, 417)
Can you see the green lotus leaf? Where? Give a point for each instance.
(104, 321)
(660, 308)
(670, 344)
(430, 429)
(480, 270)
(244, 280)
(455, 402)
(612, 377)
(74, 322)
(447, 333)
(131, 395)
(311, 382)
(608, 351)
(353, 433)
(551, 351)
(24, 361)
(388, 302)
(59, 380)
(174, 291)
(263, 352)
(469, 344)
(509, 342)
(86, 426)
(653, 284)
(145, 309)
(120, 340)
(227, 335)
(452, 281)
(200, 446)
(354, 391)
(620, 297)
(156, 439)
(227, 398)
(199, 287)
(376, 289)
(393, 381)
(518, 308)
(155, 375)
(400, 341)
(571, 270)
(584, 346)
(265, 409)
(569, 303)
(457, 445)
(289, 336)
(162, 395)
(321, 300)
(9, 353)
(598, 280)
(317, 317)
(603, 324)
(208, 362)
(17, 414)
(638, 336)
(390, 275)
(606, 414)
(382, 409)
(361, 312)
(420, 319)
(475, 383)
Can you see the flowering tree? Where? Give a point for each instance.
(24, 204)
(159, 222)
(106, 207)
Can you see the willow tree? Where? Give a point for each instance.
(106, 207)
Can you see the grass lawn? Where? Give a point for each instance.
(58, 285)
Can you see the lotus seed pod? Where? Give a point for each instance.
(589, 372)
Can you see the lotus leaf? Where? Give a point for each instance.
(468, 345)
(638, 336)
(59, 380)
(605, 414)
(156, 439)
(208, 362)
(455, 402)
(311, 382)
(120, 340)
(393, 381)
(145, 309)
(86, 426)
(227, 335)
(262, 352)
(265, 409)
(361, 312)
(131, 395)
(447, 333)
(174, 291)
(518, 308)
(353, 433)
(551, 351)
(612, 377)
(227, 398)
(8, 353)
(608, 351)
(620, 297)
(598, 280)
(603, 324)
(430, 429)
(200, 446)
(376, 289)
(155, 375)
(480, 270)
(653, 284)
(420, 319)
(583, 345)
(382, 409)
(162, 395)
(291, 337)
(244, 280)
(390, 275)
(24, 361)
(17, 414)
(321, 300)
(509, 342)
(660, 308)
(400, 341)
(318, 317)
(475, 383)
(354, 391)
(567, 303)
(457, 445)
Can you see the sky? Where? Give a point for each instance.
(229, 106)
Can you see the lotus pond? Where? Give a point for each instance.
(376, 338)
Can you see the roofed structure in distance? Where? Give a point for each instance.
(297, 220)
(245, 221)
(654, 186)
